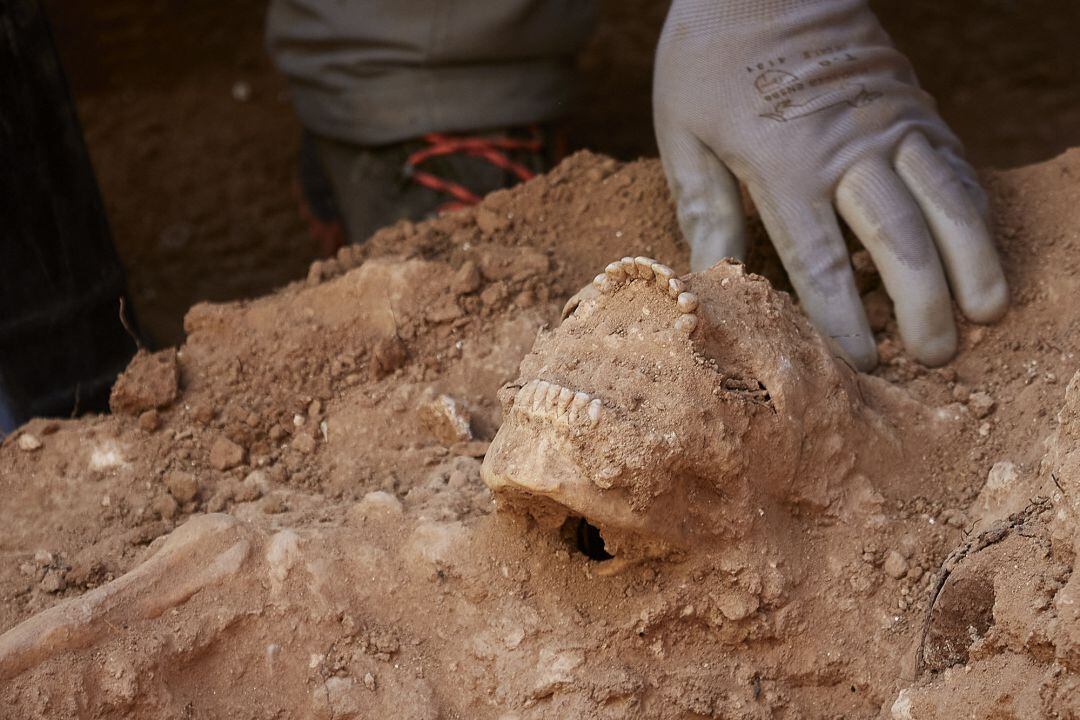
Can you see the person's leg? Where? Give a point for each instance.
(371, 79)
(61, 339)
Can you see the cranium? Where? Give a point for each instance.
(667, 411)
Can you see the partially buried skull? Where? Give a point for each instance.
(668, 411)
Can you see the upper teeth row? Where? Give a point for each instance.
(558, 403)
(643, 268)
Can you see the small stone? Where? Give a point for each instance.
(369, 681)
(204, 414)
(166, 507)
(961, 392)
(44, 558)
(181, 485)
(466, 280)
(387, 356)
(54, 581)
(304, 442)
(151, 380)
(29, 443)
(981, 404)
(446, 419)
(149, 421)
(226, 454)
(895, 565)
(1002, 476)
(376, 506)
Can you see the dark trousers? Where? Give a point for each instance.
(61, 283)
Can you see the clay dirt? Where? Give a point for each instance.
(496, 465)
(288, 516)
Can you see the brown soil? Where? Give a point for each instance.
(358, 569)
(287, 518)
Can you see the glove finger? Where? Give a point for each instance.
(880, 210)
(807, 237)
(969, 180)
(963, 240)
(706, 197)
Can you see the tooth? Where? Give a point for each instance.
(676, 287)
(686, 323)
(540, 393)
(551, 397)
(595, 408)
(644, 267)
(525, 394)
(615, 271)
(580, 401)
(565, 396)
(600, 283)
(629, 267)
(663, 273)
(687, 302)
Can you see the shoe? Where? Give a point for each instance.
(348, 191)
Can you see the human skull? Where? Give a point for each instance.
(665, 411)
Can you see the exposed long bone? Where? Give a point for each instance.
(619, 273)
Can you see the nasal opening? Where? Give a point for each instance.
(585, 538)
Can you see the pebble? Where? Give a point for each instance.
(29, 443)
(304, 442)
(226, 454)
(54, 581)
(981, 404)
(895, 565)
(149, 421)
(182, 486)
(467, 279)
(446, 419)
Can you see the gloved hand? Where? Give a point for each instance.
(809, 104)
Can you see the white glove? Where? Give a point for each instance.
(809, 104)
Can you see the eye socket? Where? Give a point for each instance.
(585, 538)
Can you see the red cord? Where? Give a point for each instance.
(492, 149)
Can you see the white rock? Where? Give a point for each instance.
(29, 443)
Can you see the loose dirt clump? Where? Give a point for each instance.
(342, 560)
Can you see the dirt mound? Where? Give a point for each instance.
(298, 533)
